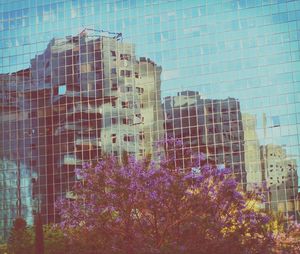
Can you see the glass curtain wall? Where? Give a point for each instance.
(83, 78)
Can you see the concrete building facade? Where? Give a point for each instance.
(83, 97)
(210, 126)
(281, 180)
(255, 175)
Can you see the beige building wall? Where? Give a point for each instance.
(281, 178)
(148, 86)
(252, 153)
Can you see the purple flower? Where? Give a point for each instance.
(160, 204)
(265, 219)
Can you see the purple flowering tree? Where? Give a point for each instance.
(156, 207)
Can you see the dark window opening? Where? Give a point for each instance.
(142, 135)
(140, 90)
(114, 87)
(113, 71)
(114, 120)
(125, 57)
(128, 138)
(127, 121)
(125, 104)
(125, 73)
(114, 138)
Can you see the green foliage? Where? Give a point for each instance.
(21, 238)
(3, 249)
(54, 240)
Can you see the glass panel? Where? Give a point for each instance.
(79, 79)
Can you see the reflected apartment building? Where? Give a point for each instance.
(229, 138)
(255, 175)
(83, 97)
(281, 179)
(210, 126)
(16, 158)
(270, 164)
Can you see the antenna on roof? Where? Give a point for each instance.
(117, 36)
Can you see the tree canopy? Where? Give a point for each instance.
(155, 207)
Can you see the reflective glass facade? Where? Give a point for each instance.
(82, 78)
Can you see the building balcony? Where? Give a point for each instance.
(70, 159)
(88, 142)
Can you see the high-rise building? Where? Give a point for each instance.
(72, 89)
(83, 97)
(210, 126)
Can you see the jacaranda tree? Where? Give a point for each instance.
(156, 207)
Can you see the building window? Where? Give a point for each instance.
(136, 74)
(128, 88)
(113, 104)
(142, 152)
(113, 71)
(142, 135)
(125, 57)
(125, 104)
(113, 53)
(114, 120)
(114, 87)
(140, 90)
(113, 138)
(62, 90)
(128, 138)
(127, 121)
(125, 73)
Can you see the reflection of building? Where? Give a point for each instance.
(252, 152)
(15, 155)
(148, 89)
(84, 96)
(281, 177)
(8, 193)
(213, 127)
